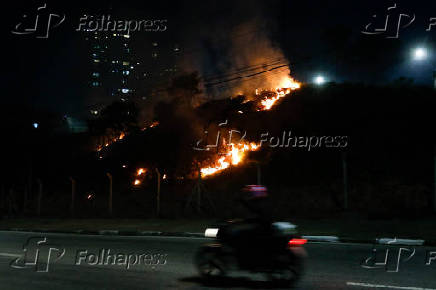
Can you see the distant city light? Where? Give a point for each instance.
(319, 80)
(35, 125)
(419, 53)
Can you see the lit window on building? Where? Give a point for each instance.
(126, 72)
(154, 44)
(154, 54)
(96, 74)
(126, 36)
(125, 91)
(126, 63)
(95, 84)
(96, 60)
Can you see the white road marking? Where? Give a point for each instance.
(9, 255)
(386, 286)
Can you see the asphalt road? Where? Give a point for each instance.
(166, 263)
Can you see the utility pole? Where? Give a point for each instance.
(110, 193)
(434, 194)
(345, 179)
(38, 209)
(73, 195)
(158, 193)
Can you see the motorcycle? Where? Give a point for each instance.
(273, 249)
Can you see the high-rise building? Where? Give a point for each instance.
(113, 64)
(128, 66)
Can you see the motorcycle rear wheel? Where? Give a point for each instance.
(209, 264)
(289, 273)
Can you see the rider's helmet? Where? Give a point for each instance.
(254, 192)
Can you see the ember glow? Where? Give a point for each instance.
(152, 125)
(234, 156)
(140, 171)
(110, 141)
(286, 86)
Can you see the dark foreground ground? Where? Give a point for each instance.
(329, 266)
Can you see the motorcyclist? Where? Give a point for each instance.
(254, 237)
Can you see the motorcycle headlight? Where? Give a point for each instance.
(211, 233)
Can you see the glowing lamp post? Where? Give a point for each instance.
(420, 54)
(319, 80)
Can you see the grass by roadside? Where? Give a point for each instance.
(342, 227)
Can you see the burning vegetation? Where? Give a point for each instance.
(227, 153)
(232, 154)
(287, 86)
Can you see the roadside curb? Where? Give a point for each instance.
(310, 238)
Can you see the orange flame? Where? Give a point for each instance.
(234, 156)
(287, 85)
(110, 141)
(152, 125)
(140, 171)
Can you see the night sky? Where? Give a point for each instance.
(314, 36)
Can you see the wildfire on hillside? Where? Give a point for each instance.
(286, 86)
(109, 141)
(233, 154)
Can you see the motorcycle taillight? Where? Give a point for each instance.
(296, 242)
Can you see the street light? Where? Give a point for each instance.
(319, 80)
(35, 125)
(419, 53)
